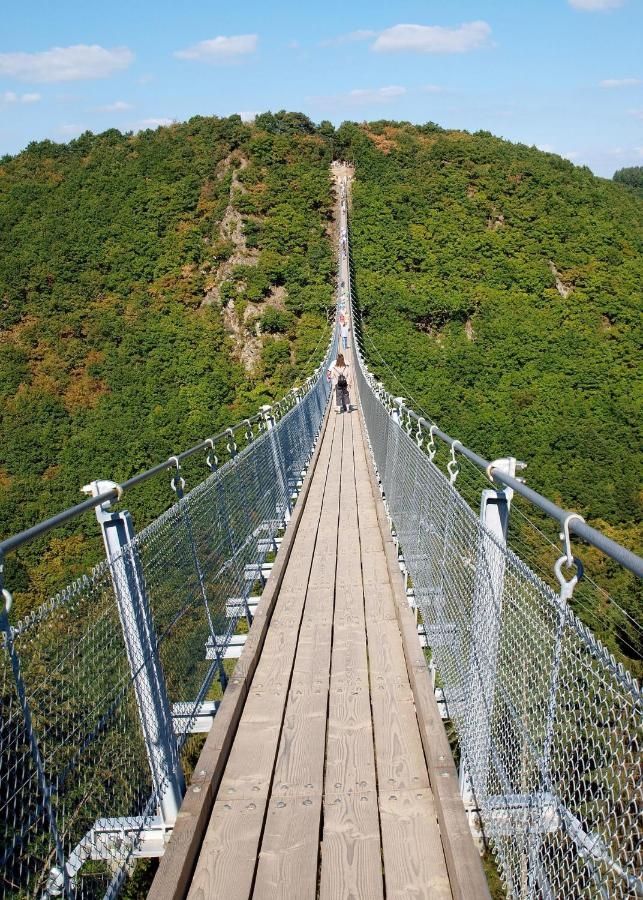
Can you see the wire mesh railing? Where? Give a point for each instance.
(101, 686)
(549, 725)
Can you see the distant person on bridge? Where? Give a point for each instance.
(342, 382)
(344, 333)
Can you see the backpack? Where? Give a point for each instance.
(342, 384)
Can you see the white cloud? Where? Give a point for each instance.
(639, 151)
(620, 82)
(65, 63)
(362, 34)
(248, 116)
(155, 123)
(596, 5)
(433, 38)
(116, 106)
(546, 148)
(220, 49)
(420, 38)
(433, 89)
(12, 97)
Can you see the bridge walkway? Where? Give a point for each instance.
(325, 790)
(313, 782)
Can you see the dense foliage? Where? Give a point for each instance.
(502, 288)
(631, 176)
(156, 287)
(128, 268)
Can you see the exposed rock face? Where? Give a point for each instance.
(563, 289)
(247, 343)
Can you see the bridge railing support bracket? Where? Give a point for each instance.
(141, 646)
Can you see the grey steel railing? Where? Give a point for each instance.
(102, 687)
(549, 725)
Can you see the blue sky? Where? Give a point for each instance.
(565, 75)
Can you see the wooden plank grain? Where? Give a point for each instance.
(351, 862)
(249, 771)
(411, 845)
(288, 858)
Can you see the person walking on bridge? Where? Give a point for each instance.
(342, 383)
(343, 328)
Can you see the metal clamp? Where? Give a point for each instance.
(452, 466)
(212, 466)
(8, 599)
(431, 448)
(418, 433)
(567, 587)
(177, 482)
(564, 536)
(231, 445)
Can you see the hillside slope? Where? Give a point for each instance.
(158, 286)
(153, 289)
(501, 290)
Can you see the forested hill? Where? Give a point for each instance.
(153, 288)
(501, 290)
(503, 286)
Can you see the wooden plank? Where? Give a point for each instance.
(288, 858)
(351, 864)
(290, 848)
(172, 879)
(398, 748)
(248, 774)
(464, 866)
(414, 864)
(351, 861)
(411, 845)
(226, 863)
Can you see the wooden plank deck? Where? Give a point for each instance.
(325, 791)
(328, 743)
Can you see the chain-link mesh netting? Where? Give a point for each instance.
(100, 686)
(549, 725)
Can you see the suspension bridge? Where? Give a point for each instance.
(317, 607)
